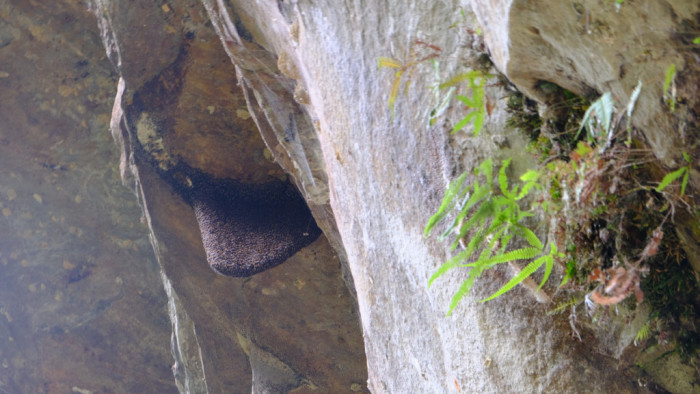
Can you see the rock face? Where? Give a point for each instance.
(193, 153)
(247, 128)
(385, 172)
(81, 301)
(593, 47)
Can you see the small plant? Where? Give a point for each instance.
(442, 100)
(643, 333)
(410, 66)
(598, 119)
(670, 87)
(477, 102)
(672, 176)
(492, 211)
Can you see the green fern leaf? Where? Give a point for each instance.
(530, 176)
(480, 193)
(670, 74)
(448, 265)
(464, 288)
(484, 212)
(562, 306)
(458, 220)
(668, 82)
(527, 271)
(684, 182)
(530, 237)
(467, 101)
(643, 333)
(459, 78)
(686, 157)
(549, 263)
(486, 169)
(530, 179)
(505, 241)
(474, 242)
(488, 251)
(514, 255)
(526, 190)
(503, 179)
(670, 177)
(478, 121)
(452, 191)
(464, 122)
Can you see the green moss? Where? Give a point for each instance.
(523, 114)
(672, 291)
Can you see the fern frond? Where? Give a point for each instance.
(466, 76)
(505, 241)
(464, 122)
(530, 176)
(530, 237)
(527, 271)
(464, 288)
(486, 169)
(503, 180)
(487, 251)
(458, 220)
(448, 265)
(548, 264)
(467, 101)
(518, 254)
(562, 306)
(484, 211)
(530, 179)
(479, 121)
(453, 190)
(670, 177)
(479, 194)
(670, 75)
(643, 333)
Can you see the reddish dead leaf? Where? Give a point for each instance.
(653, 246)
(623, 282)
(489, 106)
(597, 275)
